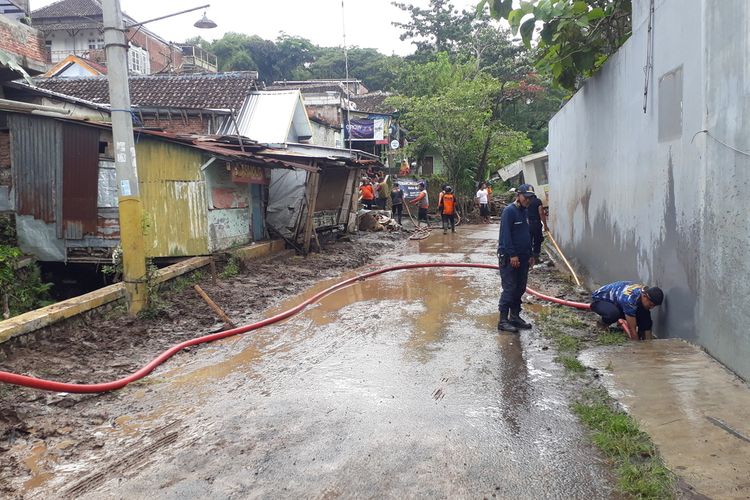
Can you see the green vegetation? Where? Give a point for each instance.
(576, 37)
(611, 338)
(232, 268)
(571, 363)
(640, 470)
(21, 287)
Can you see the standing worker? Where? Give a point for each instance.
(629, 301)
(423, 201)
(515, 258)
(366, 194)
(448, 209)
(382, 192)
(537, 225)
(397, 202)
(483, 200)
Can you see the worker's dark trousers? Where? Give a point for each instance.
(537, 236)
(380, 202)
(449, 221)
(610, 313)
(514, 284)
(398, 210)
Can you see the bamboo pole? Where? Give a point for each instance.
(213, 305)
(557, 247)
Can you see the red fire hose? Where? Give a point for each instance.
(50, 385)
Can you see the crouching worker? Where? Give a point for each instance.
(629, 301)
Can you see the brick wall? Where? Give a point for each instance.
(178, 124)
(161, 55)
(25, 42)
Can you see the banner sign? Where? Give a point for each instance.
(248, 174)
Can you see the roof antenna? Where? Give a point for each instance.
(346, 81)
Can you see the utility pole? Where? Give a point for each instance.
(131, 225)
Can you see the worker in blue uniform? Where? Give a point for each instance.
(515, 258)
(629, 301)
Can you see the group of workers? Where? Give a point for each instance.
(375, 193)
(522, 228)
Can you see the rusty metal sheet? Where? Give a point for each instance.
(80, 180)
(36, 156)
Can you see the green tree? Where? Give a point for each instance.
(576, 37)
(456, 117)
(376, 70)
(439, 28)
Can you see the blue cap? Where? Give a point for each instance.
(526, 189)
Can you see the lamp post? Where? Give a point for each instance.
(131, 213)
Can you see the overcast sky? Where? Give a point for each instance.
(368, 22)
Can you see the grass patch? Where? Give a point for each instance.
(611, 338)
(232, 268)
(571, 363)
(570, 319)
(567, 343)
(640, 470)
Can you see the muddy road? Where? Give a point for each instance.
(396, 386)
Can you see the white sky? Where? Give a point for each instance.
(368, 22)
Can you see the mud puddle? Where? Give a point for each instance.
(398, 385)
(106, 346)
(693, 408)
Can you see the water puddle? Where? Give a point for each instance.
(694, 409)
(36, 462)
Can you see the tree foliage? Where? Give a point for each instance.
(576, 37)
(451, 110)
(296, 58)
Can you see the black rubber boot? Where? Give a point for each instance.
(517, 321)
(506, 326)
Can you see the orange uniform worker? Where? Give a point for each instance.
(448, 210)
(367, 194)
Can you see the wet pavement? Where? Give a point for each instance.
(398, 386)
(694, 409)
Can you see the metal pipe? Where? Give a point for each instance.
(24, 106)
(167, 16)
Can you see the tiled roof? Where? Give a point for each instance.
(374, 102)
(193, 91)
(69, 8)
(310, 89)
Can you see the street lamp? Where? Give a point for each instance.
(131, 224)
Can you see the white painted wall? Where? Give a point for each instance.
(670, 211)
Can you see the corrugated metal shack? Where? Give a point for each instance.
(200, 194)
(279, 120)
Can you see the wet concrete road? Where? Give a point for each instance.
(694, 409)
(399, 386)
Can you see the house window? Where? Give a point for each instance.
(138, 61)
(96, 43)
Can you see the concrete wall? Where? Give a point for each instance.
(648, 196)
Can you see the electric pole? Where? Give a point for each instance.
(131, 225)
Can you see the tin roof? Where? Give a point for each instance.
(189, 91)
(272, 116)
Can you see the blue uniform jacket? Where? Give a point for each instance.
(515, 236)
(624, 294)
